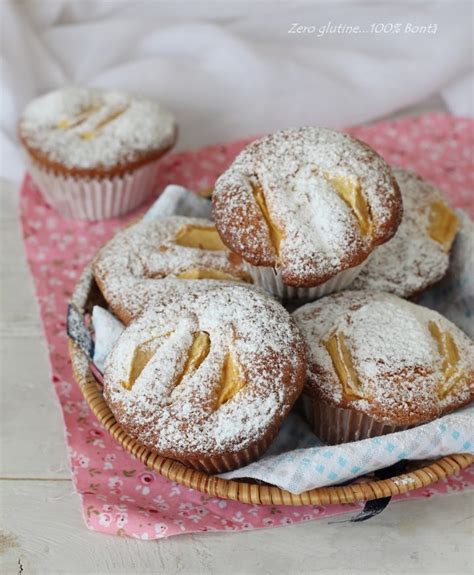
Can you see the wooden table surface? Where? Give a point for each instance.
(42, 529)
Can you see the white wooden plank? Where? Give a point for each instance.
(42, 529)
(32, 434)
(8, 200)
(33, 443)
(19, 313)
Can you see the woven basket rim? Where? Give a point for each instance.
(242, 491)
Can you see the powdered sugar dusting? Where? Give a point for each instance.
(182, 419)
(321, 235)
(411, 261)
(141, 126)
(143, 261)
(396, 358)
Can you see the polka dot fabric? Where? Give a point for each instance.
(119, 495)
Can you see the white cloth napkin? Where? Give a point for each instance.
(107, 330)
(297, 460)
(233, 69)
(176, 200)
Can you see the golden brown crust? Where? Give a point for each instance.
(96, 172)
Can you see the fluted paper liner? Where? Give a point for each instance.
(270, 280)
(335, 425)
(95, 198)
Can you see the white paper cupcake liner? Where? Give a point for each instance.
(270, 280)
(95, 198)
(335, 425)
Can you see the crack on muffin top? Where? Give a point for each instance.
(341, 358)
(443, 224)
(450, 366)
(95, 130)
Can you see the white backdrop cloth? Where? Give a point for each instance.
(232, 69)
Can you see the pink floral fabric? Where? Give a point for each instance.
(119, 495)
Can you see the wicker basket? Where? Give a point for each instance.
(422, 474)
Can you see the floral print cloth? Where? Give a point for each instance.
(119, 495)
